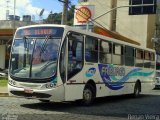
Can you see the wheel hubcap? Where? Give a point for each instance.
(137, 91)
(87, 95)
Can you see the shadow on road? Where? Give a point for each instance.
(115, 106)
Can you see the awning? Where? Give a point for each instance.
(115, 35)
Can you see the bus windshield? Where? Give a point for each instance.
(34, 57)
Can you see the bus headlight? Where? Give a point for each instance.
(49, 85)
(12, 82)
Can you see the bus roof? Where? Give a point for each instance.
(70, 28)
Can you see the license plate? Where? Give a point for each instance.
(28, 90)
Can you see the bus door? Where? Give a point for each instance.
(75, 73)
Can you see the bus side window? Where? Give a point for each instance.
(129, 56)
(152, 58)
(118, 54)
(147, 62)
(105, 52)
(91, 49)
(139, 58)
(63, 61)
(75, 54)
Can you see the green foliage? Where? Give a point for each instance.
(70, 15)
(3, 82)
(55, 18)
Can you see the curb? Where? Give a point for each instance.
(4, 95)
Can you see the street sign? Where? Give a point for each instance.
(83, 14)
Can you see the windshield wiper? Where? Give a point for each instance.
(45, 43)
(25, 43)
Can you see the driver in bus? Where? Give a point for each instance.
(37, 55)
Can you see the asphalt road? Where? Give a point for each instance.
(146, 107)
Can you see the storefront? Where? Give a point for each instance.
(6, 36)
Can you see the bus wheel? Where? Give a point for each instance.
(88, 95)
(137, 90)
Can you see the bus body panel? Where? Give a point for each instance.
(74, 87)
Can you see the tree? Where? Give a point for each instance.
(55, 18)
(70, 17)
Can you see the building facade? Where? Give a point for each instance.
(140, 28)
(7, 30)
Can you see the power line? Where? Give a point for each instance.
(120, 23)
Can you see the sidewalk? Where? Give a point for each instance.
(3, 91)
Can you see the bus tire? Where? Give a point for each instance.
(137, 89)
(88, 95)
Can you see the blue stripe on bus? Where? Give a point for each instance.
(114, 83)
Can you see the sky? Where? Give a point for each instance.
(31, 7)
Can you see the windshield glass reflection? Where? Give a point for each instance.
(34, 57)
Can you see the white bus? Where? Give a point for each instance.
(61, 63)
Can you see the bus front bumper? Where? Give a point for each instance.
(46, 94)
(29, 93)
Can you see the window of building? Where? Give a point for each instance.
(129, 56)
(83, 1)
(138, 10)
(105, 52)
(117, 54)
(91, 49)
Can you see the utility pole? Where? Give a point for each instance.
(7, 11)
(65, 11)
(14, 25)
(113, 15)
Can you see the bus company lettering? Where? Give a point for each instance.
(113, 71)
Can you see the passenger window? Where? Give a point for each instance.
(129, 56)
(152, 58)
(75, 54)
(147, 62)
(91, 49)
(117, 54)
(63, 61)
(105, 52)
(139, 58)
(147, 55)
